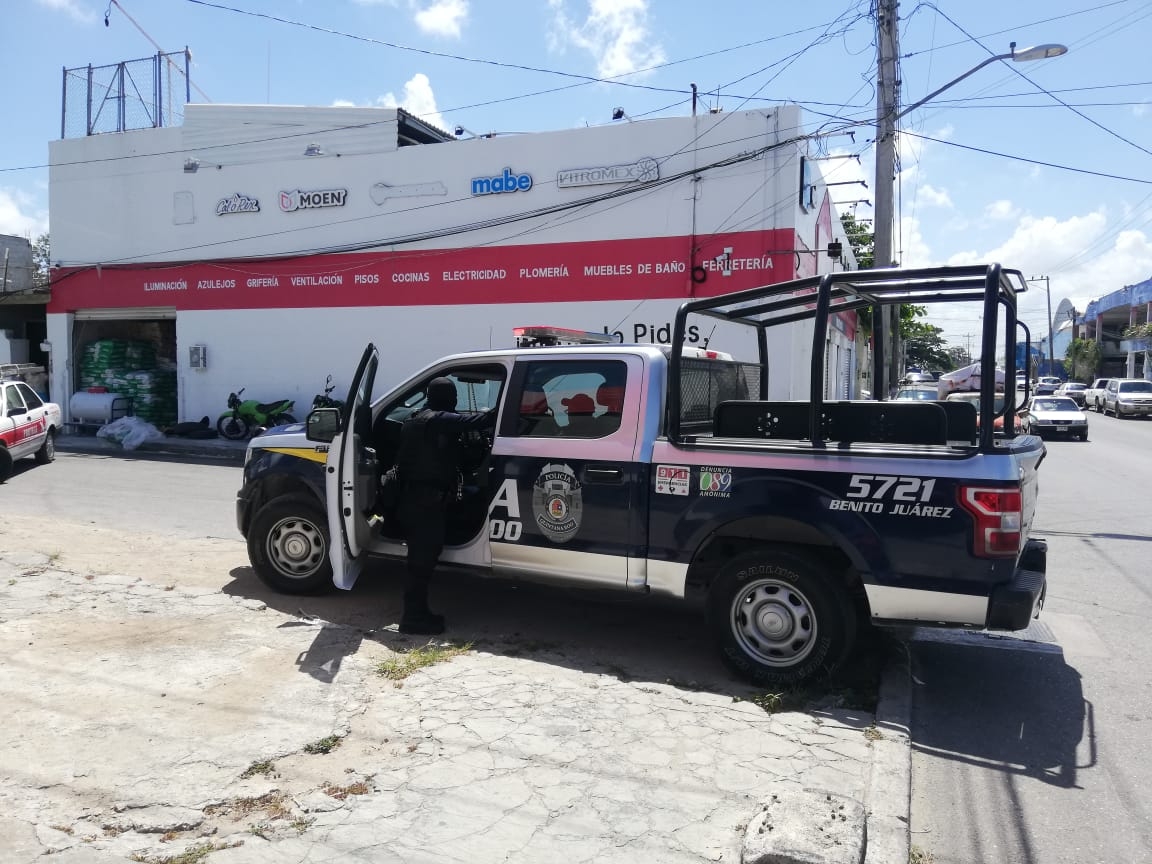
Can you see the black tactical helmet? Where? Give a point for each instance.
(441, 394)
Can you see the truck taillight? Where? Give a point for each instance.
(998, 515)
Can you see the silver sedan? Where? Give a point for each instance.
(1054, 415)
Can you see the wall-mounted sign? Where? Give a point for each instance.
(641, 171)
(300, 200)
(506, 182)
(381, 192)
(237, 203)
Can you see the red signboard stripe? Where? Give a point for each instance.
(630, 269)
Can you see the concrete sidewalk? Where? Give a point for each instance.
(160, 701)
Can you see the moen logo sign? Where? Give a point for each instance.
(298, 200)
(506, 182)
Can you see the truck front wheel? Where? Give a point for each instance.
(288, 546)
(778, 619)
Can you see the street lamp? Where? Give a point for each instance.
(1038, 52)
(888, 113)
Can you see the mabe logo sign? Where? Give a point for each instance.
(506, 182)
(298, 200)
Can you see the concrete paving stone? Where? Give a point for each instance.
(481, 759)
(19, 841)
(547, 847)
(317, 801)
(806, 827)
(88, 855)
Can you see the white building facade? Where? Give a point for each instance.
(264, 246)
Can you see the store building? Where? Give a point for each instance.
(1109, 319)
(264, 246)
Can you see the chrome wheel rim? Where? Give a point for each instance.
(50, 446)
(296, 547)
(774, 623)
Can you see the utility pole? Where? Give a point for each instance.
(1048, 294)
(887, 324)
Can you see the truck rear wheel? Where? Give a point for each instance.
(288, 546)
(778, 619)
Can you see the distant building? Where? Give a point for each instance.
(1107, 318)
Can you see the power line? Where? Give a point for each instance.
(1029, 161)
(1078, 113)
(1014, 28)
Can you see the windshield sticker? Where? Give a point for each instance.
(715, 482)
(557, 502)
(672, 479)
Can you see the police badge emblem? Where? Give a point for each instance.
(556, 502)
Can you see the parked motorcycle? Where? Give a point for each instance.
(249, 417)
(325, 400)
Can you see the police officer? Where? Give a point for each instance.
(427, 466)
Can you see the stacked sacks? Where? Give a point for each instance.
(129, 368)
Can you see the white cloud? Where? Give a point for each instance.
(933, 197)
(418, 99)
(1002, 209)
(436, 17)
(910, 245)
(615, 33)
(443, 17)
(19, 215)
(343, 103)
(74, 9)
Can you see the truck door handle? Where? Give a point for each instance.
(603, 474)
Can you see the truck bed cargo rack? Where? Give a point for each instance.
(816, 298)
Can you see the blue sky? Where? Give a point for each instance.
(1089, 234)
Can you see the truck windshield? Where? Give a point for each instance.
(1136, 387)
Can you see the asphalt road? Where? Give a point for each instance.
(1034, 750)
(168, 497)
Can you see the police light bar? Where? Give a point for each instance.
(541, 336)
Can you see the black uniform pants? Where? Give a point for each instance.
(423, 513)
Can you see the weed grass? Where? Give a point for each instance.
(192, 855)
(400, 667)
(323, 746)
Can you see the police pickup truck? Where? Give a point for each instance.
(662, 469)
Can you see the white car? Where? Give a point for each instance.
(1094, 394)
(1054, 415)
(1128, 397)
(28, 426)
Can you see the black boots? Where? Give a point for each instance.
(417, 618)
(424, 623)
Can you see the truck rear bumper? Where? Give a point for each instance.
(1015, 603)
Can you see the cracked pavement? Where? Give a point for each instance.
(151, 707)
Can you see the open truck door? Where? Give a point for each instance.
(351, 476)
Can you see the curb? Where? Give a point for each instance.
(186, 450)
(889, 796)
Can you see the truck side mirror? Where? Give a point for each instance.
(322, 425)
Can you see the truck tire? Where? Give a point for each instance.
(778, 619)
(288, 546)
(47, 451)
